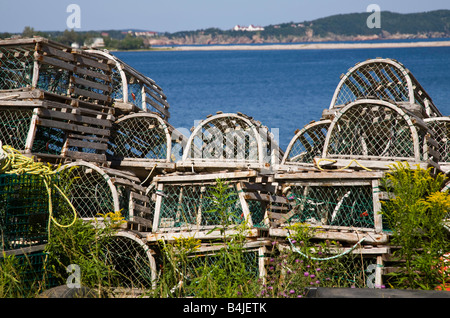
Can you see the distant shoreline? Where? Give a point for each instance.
(309, 46)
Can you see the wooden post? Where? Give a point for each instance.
(143, 102)
(157, 207)
(379, 272)
(35, 78)
(378, 219)
(244, 205)
(199, 211)
(32, 131)
(262, 263)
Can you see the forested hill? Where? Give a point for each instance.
(340, 27)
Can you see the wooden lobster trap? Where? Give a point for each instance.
(55, 68)
(143, 142)
(187, 205)
(129, 254)
(344, 205)
(55, 101)
(54, 128)
(96, 191)
(184, 203)
(230, 141)
(384, 79)
(133, 91)
(373, 134)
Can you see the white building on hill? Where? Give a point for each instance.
(251, 27)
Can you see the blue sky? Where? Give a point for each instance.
(180, 15)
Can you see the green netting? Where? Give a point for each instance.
(191, 205)
(138, 137)
(333, 205)
(24, 210)
(369, 130)
(183, 268)
(201, 261)
(33, 275)
(353, 270)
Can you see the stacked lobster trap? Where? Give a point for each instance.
(331, 171)
(104, 123)
(68, 106)
(107, 125)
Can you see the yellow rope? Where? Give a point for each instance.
(332, 160)
(13, 162)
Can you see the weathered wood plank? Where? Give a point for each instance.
(140, 197)
(199, 234)
(59, 53)
(247, 186)
(90, 157)
(91, 84)
(91, 61)
(72, 127)
(352, 237)
(86, 144)
(46, 113)
(265, 197)
(142, 221)
(70, 67)
(161, 109)
(90, 94)
(88, 137)
(209, 176)
(159, 98)
(21, 103)
(330, 175)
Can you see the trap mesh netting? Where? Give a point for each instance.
(130, 86)
(201, 263)
(54, 68)
(90, 190)
(350, 205)
(371, 128)
(192, 205)
(14, 126)
(307, 143)
(440, 126)
(233, 138)
(16, 66)
(24, 210)
(131, 259)
(337, 267)
(143, 136)
(382, 79)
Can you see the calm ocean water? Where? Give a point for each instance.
(284, 89)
